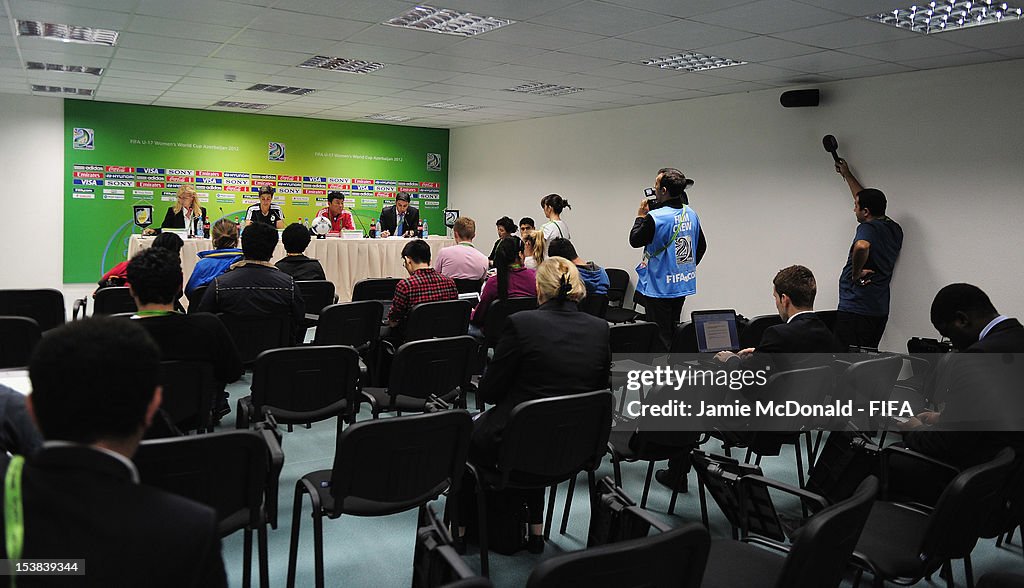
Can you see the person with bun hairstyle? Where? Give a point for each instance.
(512, 279)
(555, 228)
(527, 366)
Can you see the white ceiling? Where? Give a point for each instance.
(178, 52)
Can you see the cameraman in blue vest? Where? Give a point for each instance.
(670, 233)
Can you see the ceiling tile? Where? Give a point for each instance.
(598, 18)
(684, 81)
(858, 8)
(491, 51)
(618, 50)
(770, 16)
(524, 73)
(847, 33)
(370, 11)
(65, 14)
(450, 62)
(1004, 34)
(157, 57)
(261, 55)
(400, 38)
(294, 23)
(519, 10)
(484, 82)
(183, 29)
(166, 44)
(953, 60)
(230, 14)
(295, 43)
(754, 72)
(758, 49)
(633, 72)
(236, 66)
(62, 58)
(126, 76)
(822, 62)
(680, 9)
(681, 35)
(68, 50)
(545, 37)
(127, 65)
(377, 53)
(921, 47)
(881, 69)
(565, 62)
(414, 73)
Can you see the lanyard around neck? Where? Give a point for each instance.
(14, 515)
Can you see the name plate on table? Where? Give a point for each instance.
(352, 234)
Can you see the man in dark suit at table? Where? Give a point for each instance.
(400, 218)
(94, 392)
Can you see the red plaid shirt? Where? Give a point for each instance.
(423, 285)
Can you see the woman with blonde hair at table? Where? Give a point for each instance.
(186, 210)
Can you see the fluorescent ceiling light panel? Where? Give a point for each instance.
(40, 66)
(389, 117)
(281, 89)
(357, 66)
(62, 90)
(691, 61)
(447, 21)
(451, 106)
(950, 15)
(247, 105)
(542, 89)
(67, 33)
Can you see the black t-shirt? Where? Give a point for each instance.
(255, 215)
(300, 267)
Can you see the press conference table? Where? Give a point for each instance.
(345, 261)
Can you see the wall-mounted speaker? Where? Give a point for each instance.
(799, 98)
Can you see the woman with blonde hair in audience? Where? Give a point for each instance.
(534, 247)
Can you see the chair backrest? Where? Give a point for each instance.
(45, 306)
(500, 310)
(553, 439)
(431, 366)
(821, 553)
(595, 304)
(673, 559)
(807, 386)
(719, 475)
(196, 297)
(255, 334)
(18, 337)
(227, 471)
(684, 339)
(316, 294)
(349, 323)
(113, 300)
(618, 283)
(964, 507)
(401, 462)
(374, 289)
(306, 384)
(188, 392)
(869, 380)
(828, 317)
(468, 285)
(446, 318)
(751, 334)
(638, 337)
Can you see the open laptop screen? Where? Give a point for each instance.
(716, 330)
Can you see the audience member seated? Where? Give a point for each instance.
(424, 284)
(118, 275)
(506, 228)
(94, 391)
(511, 280)
(462, 262)
(594, 277)
(533, 247)
(526, 224)
(552, 351)
(18, 434)
(156, 283)
(254, 287)
(295, 238)
(965, 315)
(212, 263)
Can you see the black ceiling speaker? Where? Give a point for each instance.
(798, 98)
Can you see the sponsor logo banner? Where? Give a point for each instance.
(289, 178)
(150, 170)
(120, 169)
(340, 180)
(120, 176)
(408, 190)
(338, 187)
(80, 182)
(368, 202)
(225, 198)
(320, 192)
(208, 180)
(235, 182)
(142, 192)
(263, 176)
(236, 175)
(363, 182)
(107, 196)
(84, 174)
(385, 182)
(315, 186)
(289, 190)
(319, 179)
(300, 200)
(84, 194)
(264, 183)
(180, 179)
(209, 174)
(236, 188)
(413, 184)
(181, 172)
(151, 184)
(289, 184)
(83, 167)
(429, 185)
(123, 183)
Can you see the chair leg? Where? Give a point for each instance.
(746, 457)
(969, 571)
(293, 549)
(703, 503)
(800, 475)
(757, 460)
(946, 573)
(261, 538)
(810, 450)
(318, 548)
(856, 578)
(551, 511)
(647, 485)
(481, 513)
(817, 444)
(617, 470)
(247, 558)
(568, 505)
(675, 492)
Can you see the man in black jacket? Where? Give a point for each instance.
(400, 219)
(295, 239)
(94, 392)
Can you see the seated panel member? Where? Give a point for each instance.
(95, 390)
(594, 277)
(462, 261)
(335, 212)
(266, 211)
(295, 263)
(186, 210)
(399, 219)
(214, 262)
(424, 284)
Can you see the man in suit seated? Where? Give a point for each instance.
(400, 219)
(94, 391)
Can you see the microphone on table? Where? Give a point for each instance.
(360, 221)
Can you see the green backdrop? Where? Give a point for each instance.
(119, 155)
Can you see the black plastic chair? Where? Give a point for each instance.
(18, 337)
(374, 289)
(673, 559)
(863, 382)
(235, 472)
(431, 320)
(828, 317)
(435, 561)
(114, 300)
(316, 294)
(494, 323)
(302, 385)
(816, 559)
(684, 338)
(1001, 580)
(638, 337)
(255, 334)
(545, 443)
(906, 544)
(651, 446)
(421, 369)
(45, 306)
(595, 304)
(189, 390)
(618, 283)
(380, 468)
(718, 475)
(468, 286)
(195, 298)
(350, 323)
(751, 334)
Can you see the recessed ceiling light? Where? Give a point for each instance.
(281, 89)
(451, 106)
(691, 61)
(358, 66)
(950, 15)
(66, 33)
(40, 66)
(542, 89)
(447, 21)
(62, 90)
(389, 117)
(248, 105)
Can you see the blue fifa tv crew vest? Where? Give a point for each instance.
(669, 265)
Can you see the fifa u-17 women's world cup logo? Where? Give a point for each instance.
(82, 138)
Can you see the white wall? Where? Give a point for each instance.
(32, 168)
(944, 145)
